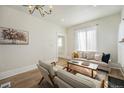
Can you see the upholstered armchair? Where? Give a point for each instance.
(48, 71)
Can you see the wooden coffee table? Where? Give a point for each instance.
(83, 64)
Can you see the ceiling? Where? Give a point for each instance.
(69, 15)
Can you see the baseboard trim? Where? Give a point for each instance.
(13, 72)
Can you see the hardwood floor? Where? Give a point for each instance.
(24, 80)
(31, 78)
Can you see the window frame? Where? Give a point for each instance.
(86, 30)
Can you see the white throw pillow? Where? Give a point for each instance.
(84, 54)
(90, 55)
(98, 57)
(80, 54)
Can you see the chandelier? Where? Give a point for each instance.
(43, 10)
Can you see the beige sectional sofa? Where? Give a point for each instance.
(66, 79)
(93, 57)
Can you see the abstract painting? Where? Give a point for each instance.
(13, 36)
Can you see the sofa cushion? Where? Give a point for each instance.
(84, 54)
(61, 83)
(98, 56)
(80, 54)
(96, 82)
(75, 81)
(90, 55)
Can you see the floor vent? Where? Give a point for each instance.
(6, 85)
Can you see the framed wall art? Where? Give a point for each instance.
(13, 36)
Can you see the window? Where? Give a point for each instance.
(86, 39)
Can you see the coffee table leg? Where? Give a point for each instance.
(91, 73)
(67, 66)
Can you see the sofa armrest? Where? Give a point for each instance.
(110, 60)
(53, 63)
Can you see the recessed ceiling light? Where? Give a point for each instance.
(62, 19)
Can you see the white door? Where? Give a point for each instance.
(61, 45)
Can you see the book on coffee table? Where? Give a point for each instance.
(93, 66)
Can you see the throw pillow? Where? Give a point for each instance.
(80, 54)
(98, 57)
(90, 55)
(105, 57)
(84, 54)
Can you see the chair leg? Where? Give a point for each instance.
(41, 80)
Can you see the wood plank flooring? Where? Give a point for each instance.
(28, 79)
(24, 80)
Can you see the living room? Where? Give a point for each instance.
(57, 39)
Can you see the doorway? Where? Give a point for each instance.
(61, 45)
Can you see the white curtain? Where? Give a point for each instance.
(85, 39)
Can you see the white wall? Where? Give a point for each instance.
(42, 40)
(121, 45)
(107, 35)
